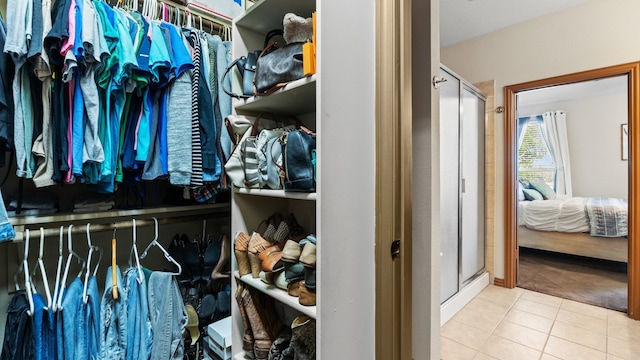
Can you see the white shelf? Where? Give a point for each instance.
(262, 18)
(297, 97)
(109, 216)
(299, 195)
(276, 293)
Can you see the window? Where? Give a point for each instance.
(534, 160)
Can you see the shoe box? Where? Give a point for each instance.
(217, 342)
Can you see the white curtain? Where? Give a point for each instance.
(554, 132)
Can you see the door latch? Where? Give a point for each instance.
(395, 249)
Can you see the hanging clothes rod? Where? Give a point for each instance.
(209, 21)
(105, 227)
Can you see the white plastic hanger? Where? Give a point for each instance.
(56, 290)
(43, 272)
(27, 277)
(166, 254)
(66, 268)
(134, 253)
(92, 249)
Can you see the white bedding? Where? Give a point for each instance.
(562, 214)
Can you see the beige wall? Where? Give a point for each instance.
(592, 35)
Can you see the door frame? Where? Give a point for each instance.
(632, 70)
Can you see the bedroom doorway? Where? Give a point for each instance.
(631, 124)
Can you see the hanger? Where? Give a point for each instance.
(114, 273)
(66, 269)
(27, 278)
(134, 254)
(155, 242)
(56, 290)
(92, 249)
(43, 272)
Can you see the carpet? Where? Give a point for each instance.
(597, 282)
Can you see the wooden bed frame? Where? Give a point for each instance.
(615, 249)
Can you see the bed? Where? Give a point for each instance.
(591, 227)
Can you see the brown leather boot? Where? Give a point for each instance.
(247, 337)
(264, 321)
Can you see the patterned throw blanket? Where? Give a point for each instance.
(607, 216)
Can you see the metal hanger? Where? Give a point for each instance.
(114, 272)
(155, 242)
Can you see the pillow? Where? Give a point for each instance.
(525, 183)
(520, 192)
(532, 194)
(544, 189)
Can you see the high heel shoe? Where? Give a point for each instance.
(210, 258)
(217, 273)
(241, 245)
(256, 245)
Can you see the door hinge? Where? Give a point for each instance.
(395, 249)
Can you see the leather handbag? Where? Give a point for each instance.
(247, 65)
(253, 150)
(276, 68)
(298, 162)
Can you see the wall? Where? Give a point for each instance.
(593, 128)
(592, 35)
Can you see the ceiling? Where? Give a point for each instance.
(462, 20)
(580, 90)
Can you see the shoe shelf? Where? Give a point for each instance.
(297, 97)
(277, 294)
(277, 193)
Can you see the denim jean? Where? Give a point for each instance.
(92, 315)
(139, 338)
(6, 229)
(168, 316)
(75, 340)
(18, 331)
(43, 329)
(113, 316)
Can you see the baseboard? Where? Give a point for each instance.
(498, 282)
(462, 298)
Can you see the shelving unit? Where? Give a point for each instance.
(249, 207)
(278, 294)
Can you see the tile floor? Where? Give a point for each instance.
(518, 324)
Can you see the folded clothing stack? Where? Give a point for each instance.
(93, 203)
(36, 203)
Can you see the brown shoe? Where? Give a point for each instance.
(256, 245)
(247, 336)
(307, 297)
(264, 321)
(240, 247)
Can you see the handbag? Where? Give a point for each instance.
(276, 68)
(246, 66)
(253, 152)
(236, 126)
(298, 162)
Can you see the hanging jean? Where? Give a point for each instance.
(74, 338)
(139, 339)
(91, 312)
(18, 331)
(168, 316)
(43, 329)
(113, 316)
